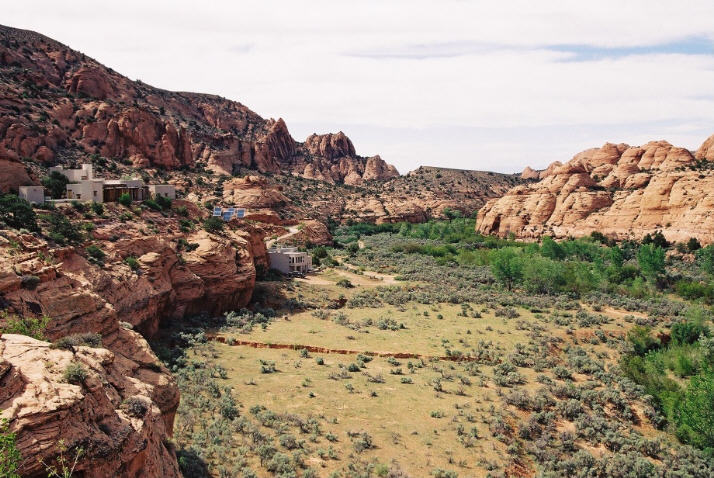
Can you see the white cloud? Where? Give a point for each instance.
(453, 83)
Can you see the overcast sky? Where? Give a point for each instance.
(478, 85)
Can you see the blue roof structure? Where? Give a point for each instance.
(217, 211)
(240, 213)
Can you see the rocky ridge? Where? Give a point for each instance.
(56, 104)
(619, 190)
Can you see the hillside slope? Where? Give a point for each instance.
(58, 104)
(619, 190)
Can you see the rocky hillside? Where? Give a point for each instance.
(619, 190)
(105, 277)
(56, 104)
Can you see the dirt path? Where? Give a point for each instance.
(385, 278)
(323, 350)
(292, 230)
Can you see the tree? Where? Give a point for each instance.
(543, 275)
(695, 413)
(17, 213)
(651, 260)
(705, 257)
(9, 455)
(62, 230)
(693, 244)
(506, 266)
(551, 249)
(56, 183)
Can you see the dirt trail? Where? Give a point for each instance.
(325, 350)
(292, 230)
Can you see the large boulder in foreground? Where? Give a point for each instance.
(110, 414)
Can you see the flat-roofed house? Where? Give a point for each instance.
(86, 190)
(135, 188)
(75, 175)
(166, 190)
(289, 259)
(32, 194)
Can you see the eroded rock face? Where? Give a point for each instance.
(312, 233)
(213, 273)
(85, 108)
(13, 175)
(622, 191)
(44, 408)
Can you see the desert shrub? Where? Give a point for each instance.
(69, 341)
(10, 457)
(17, 213)
(345, 283)
(125, 200)
(641, 340)
(693, 290)
(132, 262)
(62, 231)
(152, 204)
(267, 366)
(213, 225)
(136, 406)
(544, 276)
(688, 332)
(163, 202)
(75, 373)
(30, 326)
(29, 282)
(95, 253)
(98, 208)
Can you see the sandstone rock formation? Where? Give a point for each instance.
(93, 415)
(80, 107)
(311, 232)
(530, 173)
(619, 190)
(176, 274)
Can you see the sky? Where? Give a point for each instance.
(488, 85)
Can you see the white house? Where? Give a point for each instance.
(165, 190)
(75, 175)
(289, 259)
(86, 190)
(32, 194)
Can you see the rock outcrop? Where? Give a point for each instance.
(619, 190)
(112, 415)
(79, 107)
(174, 274)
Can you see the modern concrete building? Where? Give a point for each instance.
(32, 194)
(86, 190)
(165, 190)
(75, 175)
(289, 259)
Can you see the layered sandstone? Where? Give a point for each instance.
(92, 415)
(176, 274)
(619, 190)
(79, 107)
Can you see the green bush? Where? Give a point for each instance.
(641, 339)
(688, 332)
(17, 213)
(163, 202)
(10, 457)
(75, 373)
(29, 326)
(136, 406)
(95, 252)
(56, 183)
(152, 204)
(68, 342)
(132, 262)
(62, 231)
(344, 283)
(695, 414)
(213, 224)
(124, 200)
(98, 208)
